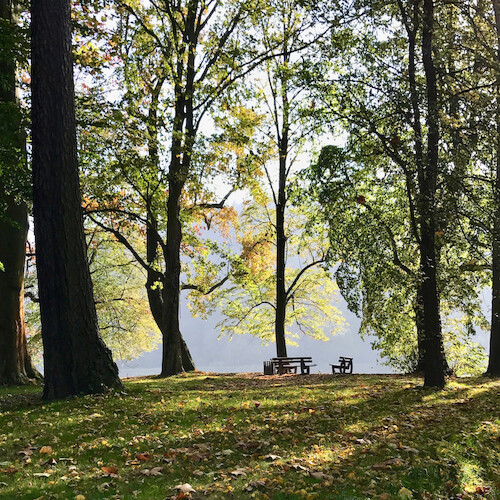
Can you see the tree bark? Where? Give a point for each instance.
(75, 358)
(494, 355)
(16, 366)
(15, 363)
(183, 137)
(159, 312)
(163, 293)
(434, 375)
(281, 294)
(172, 351)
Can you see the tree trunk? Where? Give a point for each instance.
(281, 293)
(75, 358)
(183, 137)
(433, 343)
(15, 362)
(159, 312)
(494, 356)
(172, 345)
(157, 303)
(419, 324)
(280, 280)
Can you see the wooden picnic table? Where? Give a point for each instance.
(289, 364)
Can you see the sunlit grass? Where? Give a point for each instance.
(285, 437)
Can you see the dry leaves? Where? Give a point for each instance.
(110, 471)
(155, 471)
(185, 488)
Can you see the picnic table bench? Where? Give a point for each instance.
(344, 366)
(288, 364)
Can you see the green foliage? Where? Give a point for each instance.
(248, 301)
(15, 177)
(125, 322)
(368, 190)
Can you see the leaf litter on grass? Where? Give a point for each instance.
(312, 436)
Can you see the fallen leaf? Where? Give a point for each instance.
(408, 449)
(198, 457)
(42, 474)
(155, 471)
(321, 475)
(185, 488)
(255, 485)
(482, 490)
(110, 471)
(271, 457)
(405, 493)
(9, 470)
(46, 449)
(143, 457)
(239, 472)
(202, 446)
(27, 452)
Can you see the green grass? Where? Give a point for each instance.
(243, 436)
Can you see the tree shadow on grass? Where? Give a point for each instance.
(336, 426)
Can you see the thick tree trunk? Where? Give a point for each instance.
(155, 293)
(159, 312)
(13, 353)
(75, 358)
(183, 136)
(433, 343)
(15, 362)
(494, 356)
(172, 346)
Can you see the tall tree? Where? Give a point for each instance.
(494, 358)
(402, 130)
(194, 56)
(15, 361)
(434, 375)
(75, 358)
(291, 118)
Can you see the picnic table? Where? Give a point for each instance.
(344, 366)
(289, 364)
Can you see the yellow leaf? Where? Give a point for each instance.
(405, 493)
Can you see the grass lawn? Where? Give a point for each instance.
(250, 436)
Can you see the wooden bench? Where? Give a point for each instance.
(290, 364)
(344, 366)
